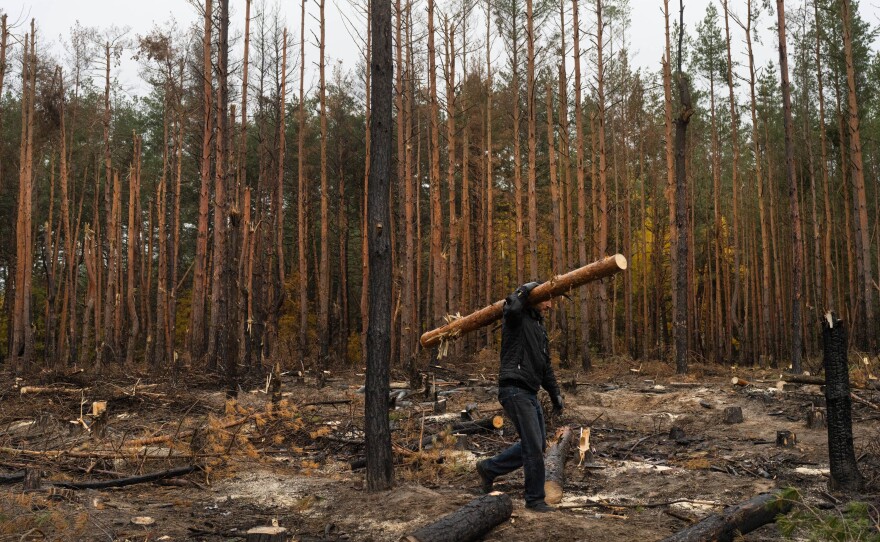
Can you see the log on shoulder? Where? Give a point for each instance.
(470, 522)
(554, 467)
(736, 520)
(554, 287)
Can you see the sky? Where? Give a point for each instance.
(54, 19)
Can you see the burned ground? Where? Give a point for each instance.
(289, 462)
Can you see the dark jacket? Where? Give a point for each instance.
(525, 349)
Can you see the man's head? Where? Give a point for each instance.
(544, 307)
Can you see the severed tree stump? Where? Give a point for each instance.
(816, 418)
(841, 454)
(469, 523)
(267, 534)
(554, 466)
(31, 480)
(735, 521)
(733, 414)
(786, 439)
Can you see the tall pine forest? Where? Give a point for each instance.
(215, 220)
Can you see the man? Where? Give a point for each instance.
(525, 368)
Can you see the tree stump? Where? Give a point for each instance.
(554, 467)
(841, 454)
(786, 439)
(267, 534)
(816, 418)
(676, 433)
(733, 414)
(31, 480)
(469, 523)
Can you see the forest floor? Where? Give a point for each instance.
(289, 463)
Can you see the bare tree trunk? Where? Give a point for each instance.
(869, 340)
(439, 281)
(452, 249)
(302, 199)
(605, 323)
(279, 278)
(22, 334)
(531, 112)
(681, 219)
(197, 319)
(365, 249)
(733, 303)
(828, 288)
(490, 181)
(564, 243)
(586, 363)
(380, 475)
(670, 156)
(466, 233)
(796, 263)
(324, 272)
(4, 38)
(134, 225)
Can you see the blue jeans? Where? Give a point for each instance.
(524, 410)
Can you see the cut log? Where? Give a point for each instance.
(736, 520)
(816, 418)
(554, 467)
(267, 534)
(469, 523)
(785, 439)
(11, 478)
(841, 453)
(556, 286)
(737, 381)
(733, 414)
(820, 381)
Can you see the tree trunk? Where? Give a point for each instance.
(324, 272)
(681, 218)
(200, 264)
(469, 523)
(858, 180)
(796, 263)
(490, 181)
(554, 466)
(302, 199)
(438, 283)
(736, 521)
(586, 363)
(602, 246)
(380, 474)
(844, 467)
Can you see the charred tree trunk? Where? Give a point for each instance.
(736, 520)
(844, 468)
(681, 217)
(380, 474)
(469, 523)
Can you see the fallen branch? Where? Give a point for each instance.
(186, 434)
(11, 478)
(337, 402)
(132, 480)
(37, 390)
(636, 505)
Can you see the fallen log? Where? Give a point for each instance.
(11, 478)
(736, 520)
(132, 480)
(554, 467)
(470, 522)
(464, 428)
(37, 390)
(556, 286)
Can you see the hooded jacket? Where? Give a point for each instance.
(525, 349)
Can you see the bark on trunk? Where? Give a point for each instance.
(556, 286)
(554, 467)
(844, 468)
(735, 520)
(469, 523)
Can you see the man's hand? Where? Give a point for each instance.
(558, 404)
(524, 290)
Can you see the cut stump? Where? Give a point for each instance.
(816, 418)
(786, 439)
(733, 414)
(267, 534)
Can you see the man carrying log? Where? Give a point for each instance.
(525, 368)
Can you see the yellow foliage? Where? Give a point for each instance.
(320, 432)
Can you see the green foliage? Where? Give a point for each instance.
(856, 522)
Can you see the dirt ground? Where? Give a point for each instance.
(288, 463)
